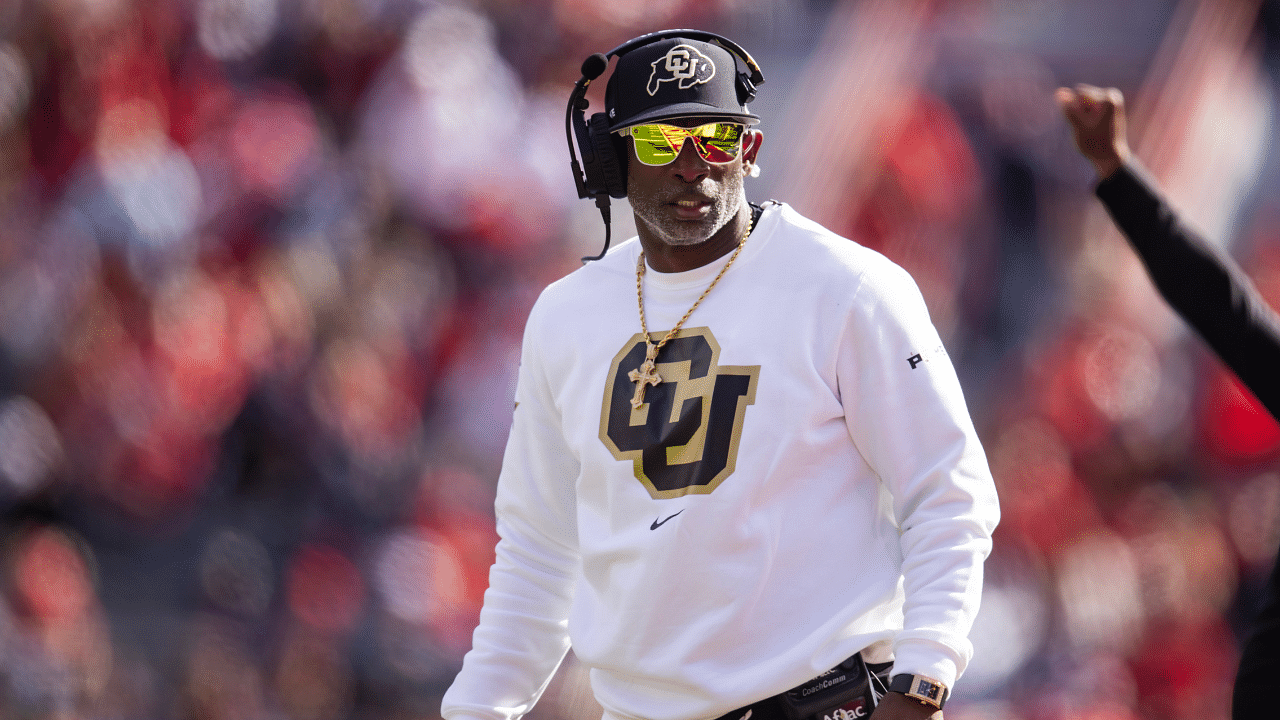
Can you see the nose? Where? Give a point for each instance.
(689, 165)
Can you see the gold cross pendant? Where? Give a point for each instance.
(647, 374)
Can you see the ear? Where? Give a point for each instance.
(751, 142)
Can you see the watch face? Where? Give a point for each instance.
(918, 687)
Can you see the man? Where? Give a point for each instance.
(740, 460)
(1211, 293)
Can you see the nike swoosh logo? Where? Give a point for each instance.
(657, 524)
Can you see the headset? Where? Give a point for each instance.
(603, 171)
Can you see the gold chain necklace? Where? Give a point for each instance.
(647, 373)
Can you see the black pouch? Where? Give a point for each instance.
(848, 691)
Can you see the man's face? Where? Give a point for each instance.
(686, 201)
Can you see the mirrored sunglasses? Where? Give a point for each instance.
(660, 144)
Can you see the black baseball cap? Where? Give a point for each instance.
(677, 77)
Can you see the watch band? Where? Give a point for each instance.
(921, 689)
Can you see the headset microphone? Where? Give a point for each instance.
(592, 68)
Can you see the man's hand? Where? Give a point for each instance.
(896, 706)
(1098, 125)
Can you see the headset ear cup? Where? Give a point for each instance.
(611, 170)
(621, 153)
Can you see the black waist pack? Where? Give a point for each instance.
(849, 691)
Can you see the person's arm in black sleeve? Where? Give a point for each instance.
(1216, 298)
(1200, 282)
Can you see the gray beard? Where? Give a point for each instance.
(670, 231)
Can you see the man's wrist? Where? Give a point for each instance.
(1108, 163)
(920, 688)
(896, 706)
(1107, 167)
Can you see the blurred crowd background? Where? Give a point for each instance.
(264, 268)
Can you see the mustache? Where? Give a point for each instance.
(687, 194)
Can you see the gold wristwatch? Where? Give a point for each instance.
(921, 689)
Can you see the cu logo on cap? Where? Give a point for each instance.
(683, 64)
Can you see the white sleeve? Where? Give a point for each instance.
(523, 632)
(907, 415)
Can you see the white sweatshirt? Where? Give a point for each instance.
(825, 492)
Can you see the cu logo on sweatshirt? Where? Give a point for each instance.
(684, 438)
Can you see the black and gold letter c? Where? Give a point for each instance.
(684, 438)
